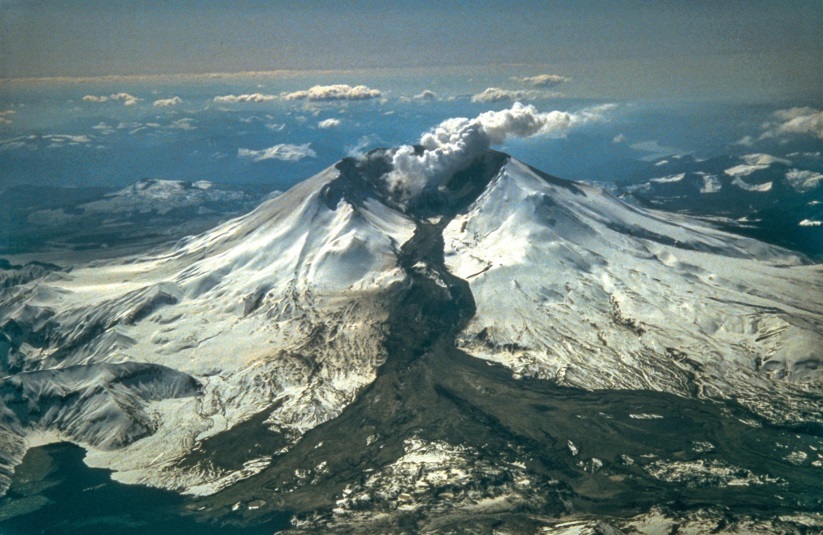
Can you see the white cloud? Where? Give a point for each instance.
(455, 142)
(426, 95)
(63, 138)
(180, 124)
(619, 138)
(496, 94)
(125, 98)
(254, 97)
(814, 155)
(655, 150)
(334, 92)
(55, 141)
(800, 121)
(166, 102)
(329, 123)
(542, 80)
(284, 152)
(4, 119)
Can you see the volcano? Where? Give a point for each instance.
(502, 350)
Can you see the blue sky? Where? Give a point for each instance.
(758, 50)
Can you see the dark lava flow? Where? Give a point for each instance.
(430, 390)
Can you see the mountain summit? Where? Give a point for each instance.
(366, 343)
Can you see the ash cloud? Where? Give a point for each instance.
(454, 143)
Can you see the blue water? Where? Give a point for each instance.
(85, 500)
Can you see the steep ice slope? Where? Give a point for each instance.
(573, 285)
(278, 313)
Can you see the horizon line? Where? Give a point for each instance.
(281, 73)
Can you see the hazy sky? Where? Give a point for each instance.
(764, 48)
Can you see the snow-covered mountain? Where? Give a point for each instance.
(574, 286)
(284, 317)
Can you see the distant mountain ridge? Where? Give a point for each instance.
(757, 195)
(149, 212)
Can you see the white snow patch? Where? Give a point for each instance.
(711, 184)
(761, 188)
(763, 159)
(803, 180)
(669, 179)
